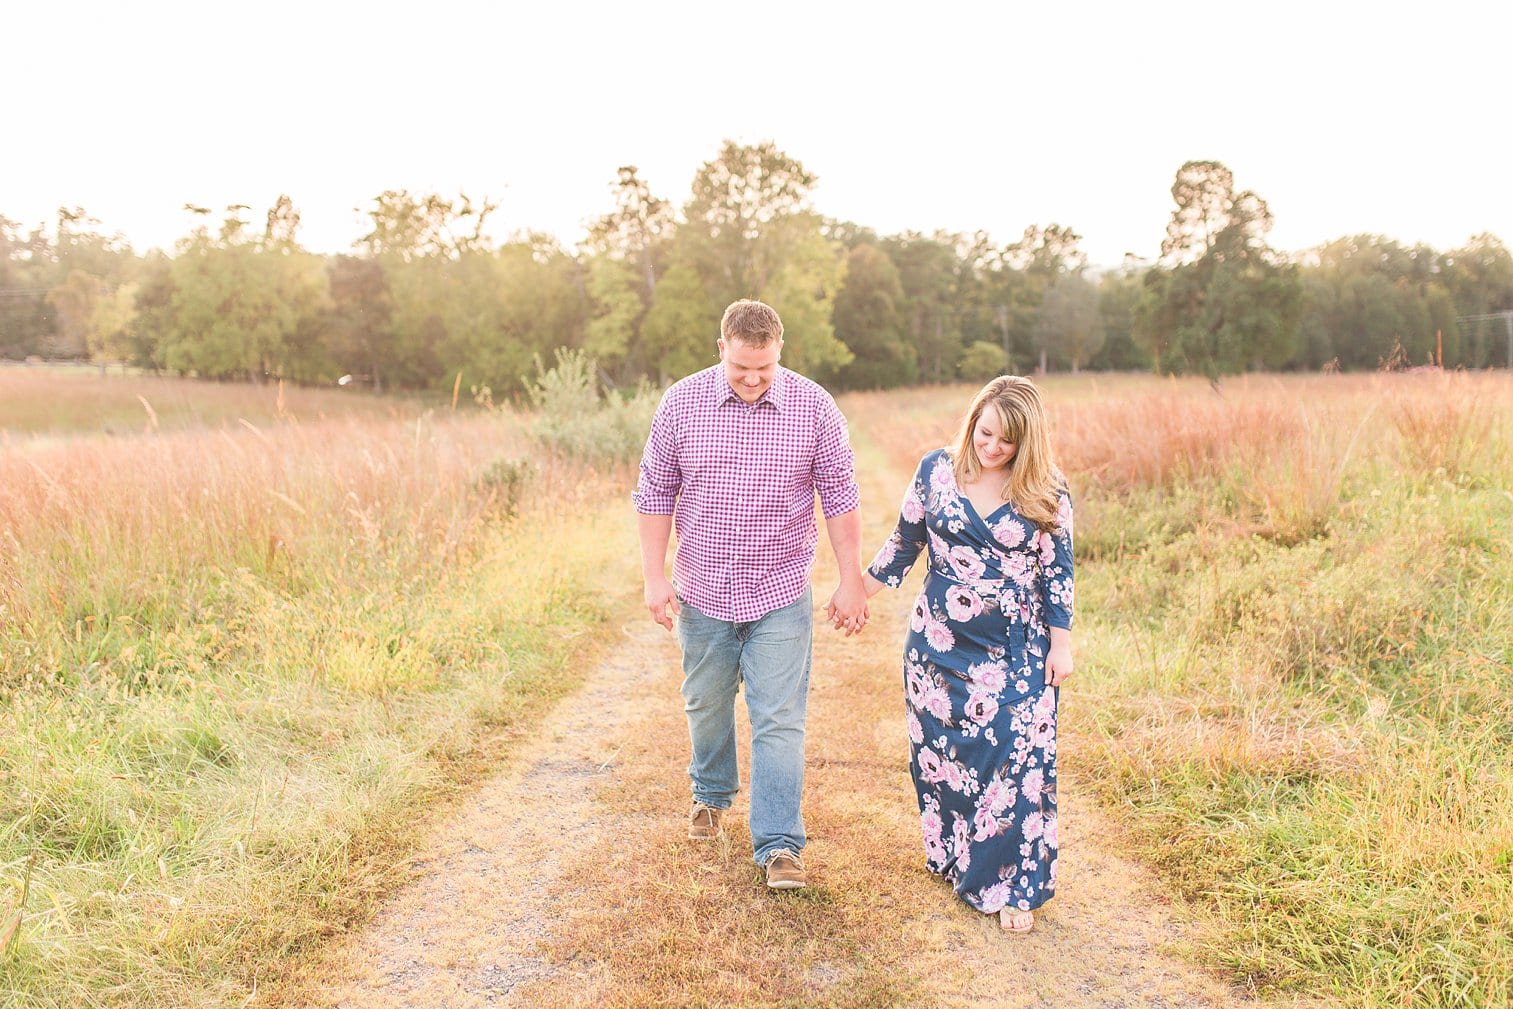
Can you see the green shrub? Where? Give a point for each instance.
(573, 417)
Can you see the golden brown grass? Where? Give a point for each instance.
(1295, 616)
(233, 660)
(54, 401)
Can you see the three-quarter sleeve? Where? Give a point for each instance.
(899, 552)
(660, 478)
(1056, 573)
(834, 468)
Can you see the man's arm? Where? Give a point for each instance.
(655, 531)
(847, 608)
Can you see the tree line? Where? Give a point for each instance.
(426, 294)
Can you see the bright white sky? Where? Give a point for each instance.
(1347, 117)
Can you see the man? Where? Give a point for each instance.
(735, 456)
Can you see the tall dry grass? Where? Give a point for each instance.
(234, 662)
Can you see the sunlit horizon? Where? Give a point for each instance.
(979, 119)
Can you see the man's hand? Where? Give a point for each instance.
(660, 595)
(847, 608)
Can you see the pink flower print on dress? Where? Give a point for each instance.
(913, 509)
(1064, 516)
(999, 796)
(938, 702)
(915, 685)
(981, 708)
(1042, 730)
(984, 825)
(1009, 531)
(1046, 546)
(1049, 834)
(966, 563)
(955, 777)
(929, 766)
(1034, 825)
(962, 846)
(886, 552)
(939, 635)
(1034, 784)
(962, 604)
(1019, 569)
(941, 477)
(916, 731)
(921, 615)
(989, 676)
(930, 825)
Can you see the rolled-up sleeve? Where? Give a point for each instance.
(660, 479)
(834, 464)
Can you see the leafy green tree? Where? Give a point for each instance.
(359, 329)
(616, 308)
(1223, 300)
(636, 231)
(27, 270)
(869, 321)
(1118, 292)
(679, 332)
(1042, 259)
(418, 241)
(1479, 278)
(982, 361)
(749, 233)
(243, 305)
(502, 309)
(1069, 320)
(928, 271)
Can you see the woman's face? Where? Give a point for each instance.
(994, 451)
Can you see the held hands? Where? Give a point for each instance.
(660, 595)
(847, 609)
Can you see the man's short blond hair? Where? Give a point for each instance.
(751, 322)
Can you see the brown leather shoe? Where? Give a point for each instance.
(704, 822)
(785, 871)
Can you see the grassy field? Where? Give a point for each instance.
(236, 657)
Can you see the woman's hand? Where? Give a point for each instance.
(1058, 664)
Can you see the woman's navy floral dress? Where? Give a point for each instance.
(982, 725)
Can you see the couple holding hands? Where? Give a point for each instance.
(735, 456)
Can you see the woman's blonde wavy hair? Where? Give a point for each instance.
(1034, 482)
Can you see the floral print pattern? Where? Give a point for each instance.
(981, 723)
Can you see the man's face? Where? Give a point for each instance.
(750, 370)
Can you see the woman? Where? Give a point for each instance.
(989, 644)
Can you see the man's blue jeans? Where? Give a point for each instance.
(772, 655)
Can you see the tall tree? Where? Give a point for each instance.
(749, 233)
(679, 332)
(1070, 322)
(1223, 300)
(869, 320)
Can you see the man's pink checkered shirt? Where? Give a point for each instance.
(739, 481)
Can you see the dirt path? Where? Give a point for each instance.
(567, 880)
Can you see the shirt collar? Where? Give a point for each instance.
(721, 392)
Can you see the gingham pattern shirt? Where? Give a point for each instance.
(739, 480)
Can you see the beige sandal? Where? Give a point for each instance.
(1008, 914)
